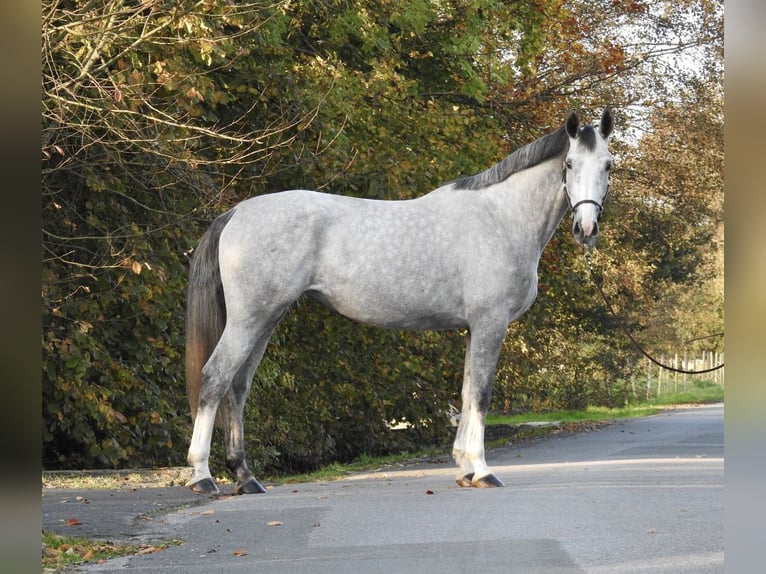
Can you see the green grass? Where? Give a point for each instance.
(591, 414)
(60, 552)
(699, 392)
(115, 478)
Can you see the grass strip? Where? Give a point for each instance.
(60, 552)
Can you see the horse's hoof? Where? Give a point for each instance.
(489, 481)
(205, 486)
(250, 486)
(465, 481)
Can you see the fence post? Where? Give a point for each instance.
(722, 370)
(659, 375)
(715, 362)
(648, 379)
(675, 374)
(719, 378)
(693, 367)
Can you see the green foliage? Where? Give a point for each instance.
(111, 354)
(339, 385)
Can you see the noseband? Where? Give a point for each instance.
(579, 203)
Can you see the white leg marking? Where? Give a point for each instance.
(458, 450)
(474, 445)
(199, 448)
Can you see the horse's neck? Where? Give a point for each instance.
(533, 200)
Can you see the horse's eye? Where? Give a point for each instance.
(568, 163)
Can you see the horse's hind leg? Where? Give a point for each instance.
(481, 359)
(231, 413)
(234, 349)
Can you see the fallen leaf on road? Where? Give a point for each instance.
(429, 491)
(73, 522)
(150, 550)
(239, 553)
(274, 523)
(211, 511)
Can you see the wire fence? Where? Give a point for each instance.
(661, 381)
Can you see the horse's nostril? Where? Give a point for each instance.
(577, 229)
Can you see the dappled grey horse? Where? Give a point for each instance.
(463, 256)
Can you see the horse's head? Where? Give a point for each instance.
(586, 175)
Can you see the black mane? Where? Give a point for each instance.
(530, 155)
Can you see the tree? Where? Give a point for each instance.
(679, 204)
(567, 350)
(141, 141)
(156, 116)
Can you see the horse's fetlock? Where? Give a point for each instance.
(235, 462)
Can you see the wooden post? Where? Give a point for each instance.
(706, 362)
(659, 375)
(722, 370)
(719, 373)
(694, 368)
(648, 379)
(716, 362)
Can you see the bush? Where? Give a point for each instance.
(112, 373)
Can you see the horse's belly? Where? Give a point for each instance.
(393, 309)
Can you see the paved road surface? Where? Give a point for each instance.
(641, 495)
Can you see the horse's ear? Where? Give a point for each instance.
(573, 123)
(607, 123)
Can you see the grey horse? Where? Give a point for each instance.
(464, 256)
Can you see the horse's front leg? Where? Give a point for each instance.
(482, 352)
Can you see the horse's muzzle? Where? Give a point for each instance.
(586, 235)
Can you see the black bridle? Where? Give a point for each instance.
(579, 203)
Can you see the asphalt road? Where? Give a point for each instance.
(639, 495)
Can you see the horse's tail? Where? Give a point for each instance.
(205, 308)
